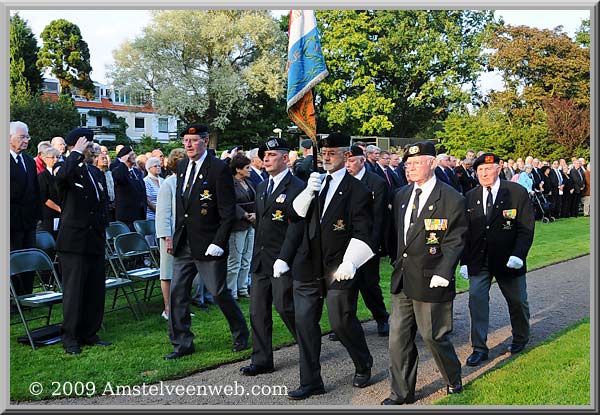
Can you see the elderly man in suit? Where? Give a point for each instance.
(25, 203)
(345, 206)
(501, 226)
(430, 224)
(80, 242)
(205, 211)
(130, 190)
(275, 244)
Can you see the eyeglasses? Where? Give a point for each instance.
(50, 157)
(416, 163)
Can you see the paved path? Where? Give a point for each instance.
(559, 296)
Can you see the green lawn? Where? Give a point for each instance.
(556, 372)
(139, 346)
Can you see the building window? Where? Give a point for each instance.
(83, 120)
(51, 87)
(99, 120)
(139, 123)
(163, 125)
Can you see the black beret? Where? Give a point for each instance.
(356, 151)
(486, 158)
(124, 151)
(336, 139)
(307, 143)
(198, 129)
(273, 143)
(75, 134)
(422, 148)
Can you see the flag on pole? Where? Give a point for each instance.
(306, 68)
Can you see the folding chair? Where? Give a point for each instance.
(147, 228)
(45, 241)
(133, 248)
(34, 260)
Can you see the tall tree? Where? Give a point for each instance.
(25, 78)
(203, 65)
(397, 72)
(582, 35)
(68, 57)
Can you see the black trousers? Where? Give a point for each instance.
(83, 283)
(214, 275)
(23, 283)
(575, 202)
(267, 291)
(367, 278)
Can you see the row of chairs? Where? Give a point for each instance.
(129, 258)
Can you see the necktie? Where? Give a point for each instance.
(559, 177)
(387, 177)
(21, 163)
(323, 194)
(270, 187)
(489, 205)
(190, 181)
(415, 208)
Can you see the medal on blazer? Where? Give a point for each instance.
(278, 216)
(280, 198)
(203, 211)
(509, 214)
(436, 224)
(432, 239)
(206, 195)
(433, 250)
(339, 225)
(507, 226)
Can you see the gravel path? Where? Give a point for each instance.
(559, 296)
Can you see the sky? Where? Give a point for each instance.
(105, 30)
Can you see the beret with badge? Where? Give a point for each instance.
(307, 143)
(273, 143)
(75, 134)
(195, 129)
(124, 151)
(335, 139)
(422, 148)
(355, 151)
(486, 158)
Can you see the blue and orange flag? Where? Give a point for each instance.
(306, 68)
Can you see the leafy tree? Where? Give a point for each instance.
(68, 57)
(147, 143)
(46, 117)
(397, 72)
(582, 35)
(205, 65)
(569, 123)
(25, 78)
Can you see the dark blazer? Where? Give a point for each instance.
(208, 215)
(429, 252)
(441, 175)
(349, 215)
(114, 164)
(509, 233)
(303, 167)
(551, 183)
(394, 179)
(276, 236)
(25, 203)
(256, 179)
(465, 179)
(84, 218)
(453, 178)
(379, 191)
(538, 177)
(401, 174)
(48, 190)
(130, 194)
(244, 200)
(578, 179)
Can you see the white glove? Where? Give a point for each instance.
(514, 262)
(464, 272)
(302, 202)
(214, 250)
(345, 271)
(437, 281)
(280, 267)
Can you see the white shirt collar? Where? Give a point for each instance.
(495, 188)
(14, 155)
(361, 173)
(278, 178)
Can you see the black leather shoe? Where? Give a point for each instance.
(516, 347)
(361, 379)
(253, 370)
(73, 349)
(177, 355)
(304, 392)
(96, 342)
(199, 304)
(383, 329)
(239, 346)
(390, 401)
(333, 337)
(454, 389)
(476, 358)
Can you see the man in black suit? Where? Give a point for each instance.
(304, 166)
(130, 190)
(80, 242)
(465, 175)
(501, 226)
(205, 212)
(275, 243)
(578, 177)
(372, 152)
(367, 276)
(345, 226)
(440, 170)
(430, 224)
(257, 174)
(25, 203)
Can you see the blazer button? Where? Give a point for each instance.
(405, 255)
(185, 216)
(487, 227)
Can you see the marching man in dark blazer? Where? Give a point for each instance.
(205, 212)
(80, 242)
(430, 224)
(25, 203)
(130, 190)
(346, 207)
(275, 243)
(501, 227)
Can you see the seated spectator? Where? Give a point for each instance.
(48, 192)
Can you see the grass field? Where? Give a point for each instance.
(556, 372)
(139, 346)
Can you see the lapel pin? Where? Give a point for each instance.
(430, 207)
(478, 202)
(403, 206)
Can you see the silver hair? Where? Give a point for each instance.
(15, 125)
(252, 153)
(152, 161)
(43, 145)
(371, 148)
(442, 156)
(50, 151)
